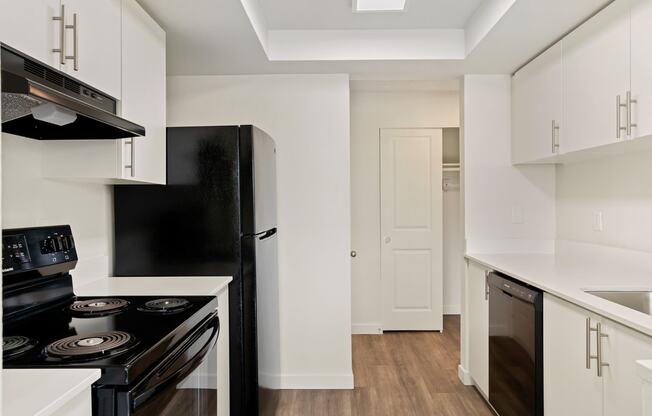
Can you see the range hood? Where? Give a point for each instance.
(43, 103)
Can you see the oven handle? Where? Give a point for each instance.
(140, 397)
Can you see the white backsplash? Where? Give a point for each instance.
(619, 188)
(29, 200)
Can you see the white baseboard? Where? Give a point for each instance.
(452, 309)
(306, 381)
(366, 329)
(464, 376)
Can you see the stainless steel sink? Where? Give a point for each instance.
(639, 301)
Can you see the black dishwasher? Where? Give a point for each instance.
(515, 347)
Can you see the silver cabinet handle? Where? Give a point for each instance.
(589, 357)
(629, 103)
(619, 106)
(486, 283)
(62, 35)
(555, 137)
(599, 336)
(75, 50)
(354, 253)
(132, 162)
(388, 240)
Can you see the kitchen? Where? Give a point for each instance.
(438, 181)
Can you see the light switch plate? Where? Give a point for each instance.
(598, 223)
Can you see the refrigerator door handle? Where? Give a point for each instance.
(266, 234)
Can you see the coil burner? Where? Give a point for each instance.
(16, 345)
(98, 307)
(96, 345)
(166, 305)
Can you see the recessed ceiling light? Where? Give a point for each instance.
(378, 5)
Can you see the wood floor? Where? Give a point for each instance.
(396, 374)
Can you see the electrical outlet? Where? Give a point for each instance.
(517, 214)
(598, 224)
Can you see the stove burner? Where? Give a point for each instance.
(166, 305)
(95, 307)
(16, 345)
(91, 346)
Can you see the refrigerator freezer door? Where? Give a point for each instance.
(264, 154)
(269, 350)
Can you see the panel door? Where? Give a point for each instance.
(623, 392)
(569, 387)
(411, 229)
(478, 326)
(537, 107)
(98, 43)
(27, 25)
(641, 67)
(143, 94)
(596, 71)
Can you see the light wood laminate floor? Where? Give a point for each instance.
(396, 374)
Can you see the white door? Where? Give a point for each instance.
(596, 71)
(477, 301)
(569, 387)
(411, 228)
(27, 25)
(98, 36)
(623, 392)
(536, 107)
(642, 67)
(143, 94)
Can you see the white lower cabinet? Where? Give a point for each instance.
(570, 388)
(478, 326)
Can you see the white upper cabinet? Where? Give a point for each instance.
(595, 75)
(93, 43)
(143, 94)
(537, 107)
(641, 83)
(17, 17)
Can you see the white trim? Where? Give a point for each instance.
(453, 309)
(464, 376)
(306, 381)
(366, 329)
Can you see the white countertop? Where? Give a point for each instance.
(143, 286)
(582, 267)
(42, 392)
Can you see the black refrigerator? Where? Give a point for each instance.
(215, 217)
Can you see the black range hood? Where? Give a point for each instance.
(43, 103)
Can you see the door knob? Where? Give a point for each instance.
(388, 240)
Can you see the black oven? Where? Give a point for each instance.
(182, 383)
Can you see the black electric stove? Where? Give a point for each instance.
(144, 345)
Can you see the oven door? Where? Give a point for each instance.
(185, 383)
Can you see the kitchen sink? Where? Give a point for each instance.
(638, 300)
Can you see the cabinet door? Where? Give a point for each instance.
(478, 326)
(595, 72)
(27, 25)
(569, 387)
(143, 93)
(536, 105)
(98, 43)
(641, 67)
(623, 394)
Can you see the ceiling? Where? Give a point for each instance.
(337, 14)
(223, 37)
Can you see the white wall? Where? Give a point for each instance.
(497, 193)
(308, 117)
(372, 109)
(618, 186)
(30, 200)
